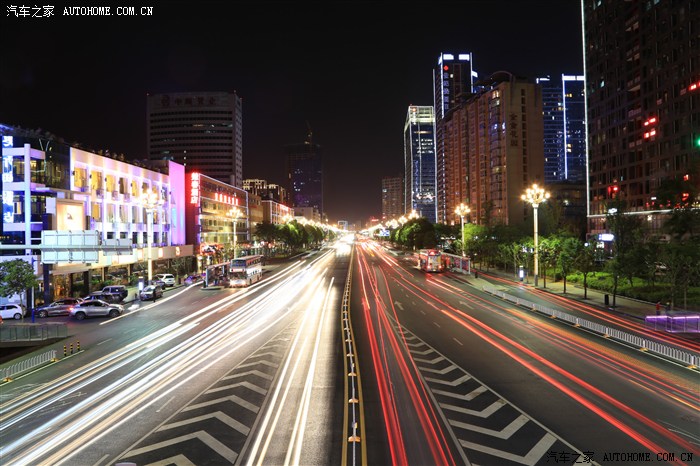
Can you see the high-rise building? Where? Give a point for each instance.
(305, 175)
(505, 148)
(453, 79)
(201, 130)
(392, 197)
(564, 119)
(643, 102)
(419, 161)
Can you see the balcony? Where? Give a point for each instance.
(115, 196)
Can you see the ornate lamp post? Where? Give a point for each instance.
(403, 220)
(234, 213)
(413, 214)
(462, 210)
(535, 196)
(150, 201)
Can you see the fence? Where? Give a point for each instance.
(6, 373)
(32, 333)
(685, 357)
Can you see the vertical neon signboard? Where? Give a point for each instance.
(8, 208)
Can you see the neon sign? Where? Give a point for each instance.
(194, 188)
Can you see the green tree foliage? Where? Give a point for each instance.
(586, 262)
(570, 248)
(16, 277)
(628, 233)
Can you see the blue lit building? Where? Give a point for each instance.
(564, 118)
(419, 161)
(305, 172)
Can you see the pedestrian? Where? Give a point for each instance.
(658, 308)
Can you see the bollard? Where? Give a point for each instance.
(71, 348)
(78, 348)
(65, 351)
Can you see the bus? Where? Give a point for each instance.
(245, 270)
(430, 260)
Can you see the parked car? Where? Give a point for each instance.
(167, 278)
(12, 311)
(159, 283)
(60, 307)
(196, 278)
(147, 293)
(111, 294)
(95, 308)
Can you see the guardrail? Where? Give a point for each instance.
(17, 333)
(7, 373)
(689, 359)
(353, 392)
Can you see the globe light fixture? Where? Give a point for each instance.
(462, 210)
(535, 196)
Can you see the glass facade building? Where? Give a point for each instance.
(419, 161)
(305, 172)
(564, 119)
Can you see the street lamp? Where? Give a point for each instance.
(462, 210)
(150, 201)
(535, 196)
(234, 214)
(413, 214)
(403, 220)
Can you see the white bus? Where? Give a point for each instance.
(245, 270)
(430, 260)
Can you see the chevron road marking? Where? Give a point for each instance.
(531, 458)
(469, 396)
(241, 374)
(249, 385)
(179, 460)
(238, 400)
(255, 363)
(484, 413)
(444, 371)
(225, 418)
(504, 433)
(454, 383)
(430, 361)
(399, 305)
(204, 437)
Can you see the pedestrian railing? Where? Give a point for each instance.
(685, 357)
(9, 372)
(685, 323)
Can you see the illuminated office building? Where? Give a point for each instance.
(419, 161)
(453, 82)
(200, 130)
(642, 69)
(564, 125)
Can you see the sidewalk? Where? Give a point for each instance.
(629, 307)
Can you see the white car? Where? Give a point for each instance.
(167, 278)
(12, 311)
(95, 308)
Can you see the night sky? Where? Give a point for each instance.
(349, 69)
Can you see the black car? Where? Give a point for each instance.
(60, 307)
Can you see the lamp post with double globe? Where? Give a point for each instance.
(462, 210)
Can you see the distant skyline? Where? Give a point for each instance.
(347, 70)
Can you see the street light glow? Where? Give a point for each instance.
(462, 210)
(150, 201)
(535, 196)
(234, 213)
